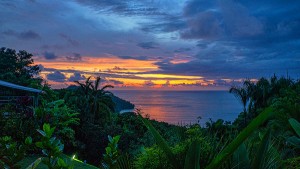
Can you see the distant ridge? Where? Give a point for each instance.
(120, 104)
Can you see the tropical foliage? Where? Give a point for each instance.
(52, 149)
(17, 67)
(96, 103)
(78, 120)
(11, 152)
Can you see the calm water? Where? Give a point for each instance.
(184, 106)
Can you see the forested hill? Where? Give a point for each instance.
(120, 104)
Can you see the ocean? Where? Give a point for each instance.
(184, 107)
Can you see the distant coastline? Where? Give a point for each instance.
(127, 111)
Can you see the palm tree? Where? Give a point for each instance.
(102, 101)
(241, 94)
(262, 92)
(96, 101)
(251, 89)
(85, 91)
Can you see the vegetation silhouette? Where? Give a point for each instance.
(265, 135)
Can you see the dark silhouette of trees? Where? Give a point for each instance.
(18, 68)
(260, 95)
(97, 104)
(241, 94)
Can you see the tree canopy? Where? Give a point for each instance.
(18, 68)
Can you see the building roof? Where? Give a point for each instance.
(14, 86)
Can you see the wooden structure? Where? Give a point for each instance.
(10, 92)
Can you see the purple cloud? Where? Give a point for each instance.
(56, 76)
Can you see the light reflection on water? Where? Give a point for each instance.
(184, 106)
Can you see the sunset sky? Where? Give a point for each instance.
(156, 44)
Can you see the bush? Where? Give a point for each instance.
(62, 117)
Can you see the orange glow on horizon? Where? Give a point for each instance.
(92, 64)
(165, 76)
(128, 73)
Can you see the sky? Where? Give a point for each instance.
(156, 44)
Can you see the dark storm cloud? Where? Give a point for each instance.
(219, 20)
(203, 68)
(56, 76)
(75, 57)
(205, 25)
(230, 69)
(243, 20)
(159, 11)
(50, 55)
(223, 38)
(148, 45)
(241, 38)
(25, 35)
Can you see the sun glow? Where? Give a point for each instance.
(118, 72)
(92, 64)
(165, 76)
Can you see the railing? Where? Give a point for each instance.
(29, 100)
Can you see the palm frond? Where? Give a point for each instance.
(124, 162)
(193, 156)
(230, 148)
(241, 158)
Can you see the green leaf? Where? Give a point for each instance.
(51, 131)
(124, 162)
(108, 150)
(34, 164)
(294, 141)
(110, 139)
(161, 142)
(192, 158)
(262, 151)
(39, 144)
(240, 158)
(6, 138)
(296, 125)
(61, 147)
(28, 140)
(117, 138)
(52, 139)
(61, 162)
(46, 128)
(41, 132)
(230, 148)
(45, 152)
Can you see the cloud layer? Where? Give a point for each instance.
(214, 39)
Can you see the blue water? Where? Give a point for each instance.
(184, 107)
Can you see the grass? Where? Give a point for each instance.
(77, 163)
